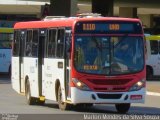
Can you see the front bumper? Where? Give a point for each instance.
(79, 96)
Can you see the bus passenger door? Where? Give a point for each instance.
(67, 63)
(50, 71)
(32, 61)
(16, 62)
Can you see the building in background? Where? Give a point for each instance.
(24, 10)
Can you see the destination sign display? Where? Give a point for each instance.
(108, 27)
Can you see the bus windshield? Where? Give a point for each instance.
(109, 55)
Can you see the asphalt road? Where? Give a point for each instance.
(11, 103)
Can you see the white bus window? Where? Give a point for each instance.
(28, 51)
(35, 44)
(51, 45)
(154, 47)
(60, 43)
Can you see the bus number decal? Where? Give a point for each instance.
(90, 67)
(114, 27)
(89, 26)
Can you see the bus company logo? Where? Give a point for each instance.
(110, 88)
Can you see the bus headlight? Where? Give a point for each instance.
(138, 85)
(80, 85)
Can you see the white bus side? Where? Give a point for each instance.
(35, 72)
(153, 61)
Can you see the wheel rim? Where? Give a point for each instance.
(148, 72)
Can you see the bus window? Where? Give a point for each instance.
(35, 43)
(60, 44)
(6, 36)
(16, 44)
(28, 51)
(51, 46)
(154, 47)
(5, 44)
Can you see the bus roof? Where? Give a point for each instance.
(153, 37)
(6, 30)
(64, 22)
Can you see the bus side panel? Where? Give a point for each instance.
(31, 71)
(153, 62)
(15, 74)
(52, 72)
(154, 57)
(5, 60)
(148, 47)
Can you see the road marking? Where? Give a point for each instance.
(153, 93)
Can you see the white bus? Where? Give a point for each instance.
(6, 38)
(153, 61)
(80, 61)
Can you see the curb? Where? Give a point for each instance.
(153, 93)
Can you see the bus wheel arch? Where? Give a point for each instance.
(149, 71)
(62, 105)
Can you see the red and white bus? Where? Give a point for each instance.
(80, 61)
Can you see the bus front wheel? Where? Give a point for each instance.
(30, 100)
(62, 105)
(123, 108)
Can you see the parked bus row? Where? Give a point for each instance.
(80, 61)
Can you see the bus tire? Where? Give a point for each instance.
(39, 102)
(30, 100)
(83, 106)
(123, 108)
(9, 71)
(62, 105)
(88, 105)
(149, 72)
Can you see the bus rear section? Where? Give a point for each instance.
(80, 61)
(6, 37)
(153, 64)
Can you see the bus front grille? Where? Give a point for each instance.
(117, 89)
(109, 81)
